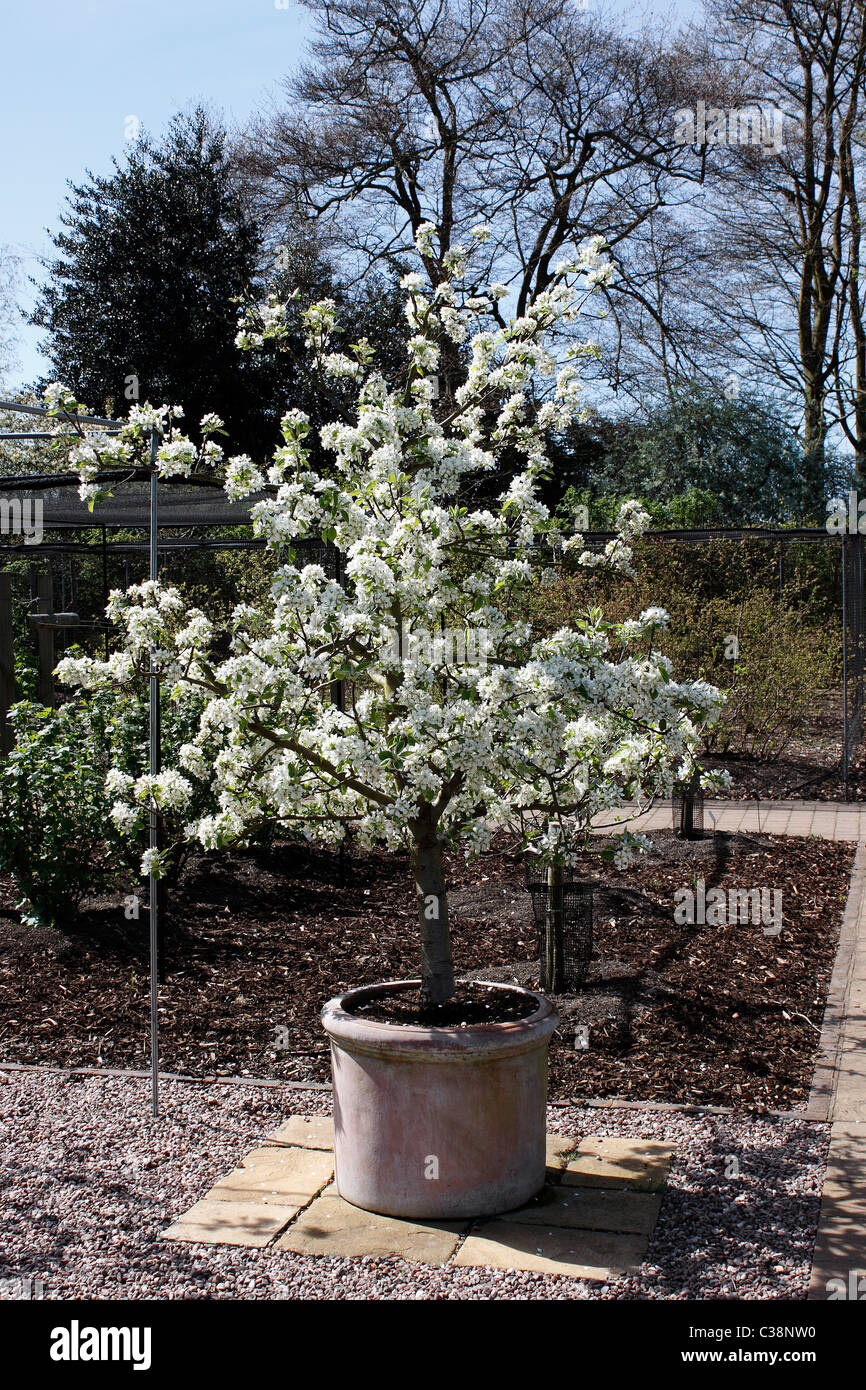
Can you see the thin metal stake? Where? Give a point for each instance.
(154, 772)
(845, 667)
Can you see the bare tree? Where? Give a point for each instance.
(531, 116)
(772, 288)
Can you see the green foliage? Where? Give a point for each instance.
(769, 662)
(703, 460)
(218, 580)
(57, 838)
(53, 807)
(789, 642)
(685, 511)
(169, 217)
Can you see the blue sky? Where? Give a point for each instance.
(75, 71)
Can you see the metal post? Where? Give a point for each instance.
(7, 664)
(554, 962)
(45, 637)
(154, 772)
(105, 585)
(338, 698)
(845, 666)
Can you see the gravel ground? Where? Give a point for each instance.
(88, 1181)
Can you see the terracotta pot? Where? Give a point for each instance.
(438, 1123)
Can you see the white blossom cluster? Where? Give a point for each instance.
(93, 449)
(551, 731)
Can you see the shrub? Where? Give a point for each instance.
(683, 511)
(54, 821)
(770, 674)
(58, 837)
(786, 648)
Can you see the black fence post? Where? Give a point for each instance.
(8, 694)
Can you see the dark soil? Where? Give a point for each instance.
(472, 1004)
(260, 940)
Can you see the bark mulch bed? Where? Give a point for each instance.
(259, 940)
(809, 768)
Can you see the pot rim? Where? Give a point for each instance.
(450, 1042)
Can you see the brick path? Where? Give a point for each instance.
(839, 1264)
(827, 819)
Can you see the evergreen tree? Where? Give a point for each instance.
(141, 299)
(154, 264)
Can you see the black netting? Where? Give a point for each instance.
(563, 914)
(180, 504)
(688, 810)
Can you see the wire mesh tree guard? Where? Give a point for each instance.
(563, 911)
(687, 804)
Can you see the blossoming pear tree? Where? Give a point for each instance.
(432, 750)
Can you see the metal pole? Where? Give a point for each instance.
(43, 410)
(845, 666)
(45, 637)
(7, 663)
(105, 586)
(154, 772)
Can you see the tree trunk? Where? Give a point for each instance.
(437, 968)
(814, 429)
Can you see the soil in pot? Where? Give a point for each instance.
(474, 1003)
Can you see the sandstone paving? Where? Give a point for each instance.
(231, 1223)
(332, 1227)
(275, 1173)
(509, 1244)
(592, 1209)
(591, 1221)
(304, 1131)
(618, 1163)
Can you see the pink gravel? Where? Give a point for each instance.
(89, 1181)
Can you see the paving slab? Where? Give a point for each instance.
(335, 1228)
(231, 1223)
(276, 1173)
(508, 1244)
(840, 1245)
(304, 1132)
(591, 1209)
(559, 1147)
(639, 1164)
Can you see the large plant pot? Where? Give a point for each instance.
(438, 1123)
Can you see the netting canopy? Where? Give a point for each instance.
(180, 504)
